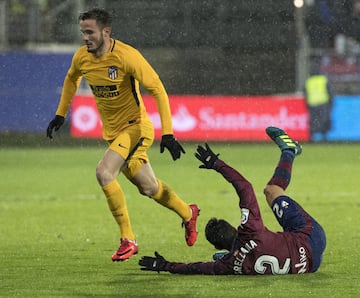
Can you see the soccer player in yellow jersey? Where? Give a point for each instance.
(114, 71)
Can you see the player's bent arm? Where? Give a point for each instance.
(163, 106)
(143, 72)
(71, 84)
(67, 94)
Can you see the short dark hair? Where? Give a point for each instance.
(220, 233)
(101, 16)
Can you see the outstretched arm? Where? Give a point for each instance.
(210, 160)
(247, 198)
(158, 263)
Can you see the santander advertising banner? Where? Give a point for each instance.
(216, 118)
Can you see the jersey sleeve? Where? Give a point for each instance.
(142, 71)
(218, 267)
(71, 84)
(242, 186)
(250, 212)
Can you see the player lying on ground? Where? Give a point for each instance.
(253, 249)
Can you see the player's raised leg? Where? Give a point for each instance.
(282, 175)
(163, 194)
(281, 138)
(167, 197)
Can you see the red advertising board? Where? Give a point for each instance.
(201, 117)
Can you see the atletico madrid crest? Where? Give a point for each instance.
(113, 72)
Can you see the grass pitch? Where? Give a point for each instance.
(57, 235)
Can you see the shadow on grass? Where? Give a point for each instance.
(163, 284)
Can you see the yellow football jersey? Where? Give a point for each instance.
(114, 79)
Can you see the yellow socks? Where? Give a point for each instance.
(168, 198)
(117, 205)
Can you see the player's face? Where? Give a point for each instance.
(94, 37)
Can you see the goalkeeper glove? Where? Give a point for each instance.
(56, 123)
(153, 264)
(206, 156)
(172, 145)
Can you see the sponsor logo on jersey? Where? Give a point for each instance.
(105, 91)
(302, 265)
(113, 72)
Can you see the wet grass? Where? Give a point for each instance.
(57, 235)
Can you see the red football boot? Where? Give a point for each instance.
(190, 226)
(126, 249)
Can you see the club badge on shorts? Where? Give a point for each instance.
(113, 72)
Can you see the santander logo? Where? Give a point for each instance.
(182, 120)
(211, 117)
(208, 119)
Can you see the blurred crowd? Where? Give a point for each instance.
(235, 33)
(329, 23)
(334, 24)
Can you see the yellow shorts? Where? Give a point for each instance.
(128, 139)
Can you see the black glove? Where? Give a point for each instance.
(54, 124)
(219, 255)
(153, 264)
(172, 145)
(206, 156)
